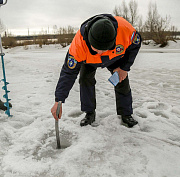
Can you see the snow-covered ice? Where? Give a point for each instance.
(150, 149)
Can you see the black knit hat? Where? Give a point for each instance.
(102, 34)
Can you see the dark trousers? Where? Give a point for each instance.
(88, 96)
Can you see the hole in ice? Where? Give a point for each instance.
(65, 140)
(48, 147)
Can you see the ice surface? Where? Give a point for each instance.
(150, 149)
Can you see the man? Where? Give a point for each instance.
(102, 41)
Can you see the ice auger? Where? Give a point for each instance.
(4, 74)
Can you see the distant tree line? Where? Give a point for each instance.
(62, 36)
(154, 27)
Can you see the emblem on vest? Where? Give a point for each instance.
(71, 62)
(119, 49)
(136, 39)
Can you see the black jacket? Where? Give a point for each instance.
(69, 75)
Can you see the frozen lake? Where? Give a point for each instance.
(27, 140)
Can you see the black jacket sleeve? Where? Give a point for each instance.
(131, 53)
(127, 60)
(68, 75)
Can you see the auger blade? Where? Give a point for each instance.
(4, 87)
(5, 96)
(5, 81)
(6, 104)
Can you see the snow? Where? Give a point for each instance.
(150, 149)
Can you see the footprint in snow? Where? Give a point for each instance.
(157, 106)
(159, 109)
(75, 113)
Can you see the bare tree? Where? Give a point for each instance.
(122, 11)
(152, 18)
(55, 29)
(174, 31)
(125, 11)
(133, 10)
(70, 30)
(130, 12)
(64, 30)
(157, 26)
(117, 11)
(140, 25)
(2, 27)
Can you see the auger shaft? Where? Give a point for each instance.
(5, 82)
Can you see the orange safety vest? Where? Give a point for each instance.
(125, 35)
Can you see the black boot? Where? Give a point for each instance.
(4, 108)
(89, 119)
(129, 121)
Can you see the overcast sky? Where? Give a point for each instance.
(38, 14)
